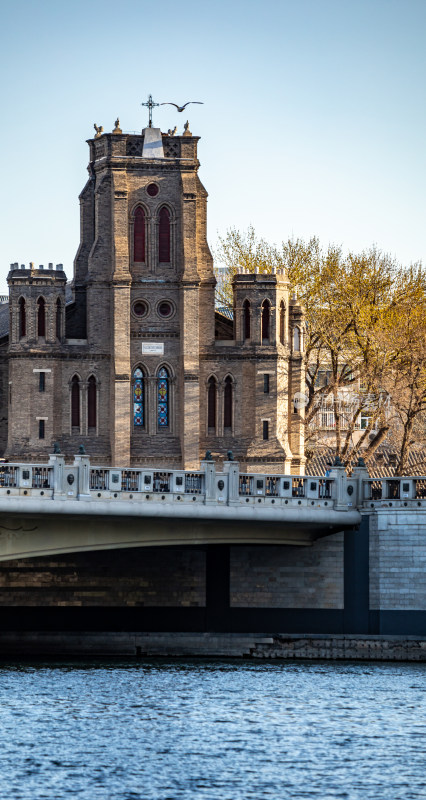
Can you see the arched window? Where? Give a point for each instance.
(163, 398)
(227, 403)
(41, 317)
(211, 403)
(75, 402)
(58, 319)
(296, 340)
(164, 236)
(246, 319)
(266, 319)
(91, 402)
(282, 322)
(22, 318)
(138, 398)
(139, 235)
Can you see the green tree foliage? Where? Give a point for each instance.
(365, 342)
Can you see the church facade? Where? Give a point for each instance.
(131, 359)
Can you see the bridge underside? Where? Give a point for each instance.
(38, 535)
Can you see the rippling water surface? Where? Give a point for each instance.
(219, 730)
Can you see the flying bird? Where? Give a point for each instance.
(181, 108)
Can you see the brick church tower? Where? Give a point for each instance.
(139, 370)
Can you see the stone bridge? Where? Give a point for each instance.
(56, 508)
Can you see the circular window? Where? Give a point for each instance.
(165, 309)
(140, 308)
(152, 189)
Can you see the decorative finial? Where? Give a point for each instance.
(117, 128)
(150, 105)
(56, 448)
(337, 462)
(230, 455)
(208, 456)
(82, 450)
(99, 130)
(172, 132)
(187, 132)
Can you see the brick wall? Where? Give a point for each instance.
(131, 577)
(398, 560)
(288, 577)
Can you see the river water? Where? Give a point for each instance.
(221, 730)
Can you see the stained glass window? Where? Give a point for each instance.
(163, 398)
(138, 398)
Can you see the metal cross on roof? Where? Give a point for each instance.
(150, 104)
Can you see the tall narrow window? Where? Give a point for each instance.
(139, 235)
(227, 403)
(41, 429)
(265, 429)
(164, 236)
(22, 318)
(296, 340)
(58, 319)
(282, 322)
(75, 402)
(41, 317)
(266, 383)
(211, 403)
(163, 398)
(266, 319)
(91, 402)
(246, 319)
(138, 398)
(42, 381)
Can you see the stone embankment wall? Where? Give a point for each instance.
(359, 594)
(365, 648)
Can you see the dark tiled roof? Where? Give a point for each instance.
(225, 311)
(382, 464)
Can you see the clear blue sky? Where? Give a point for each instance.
(314, 118)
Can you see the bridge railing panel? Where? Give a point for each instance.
(131, 480)
(162, 481)
(420, 488)
(298, 487)
(41, 478)
(194, 483)
(245, 485)
(373, 490)
(8, 477)
(99, 480)
(272, 485)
